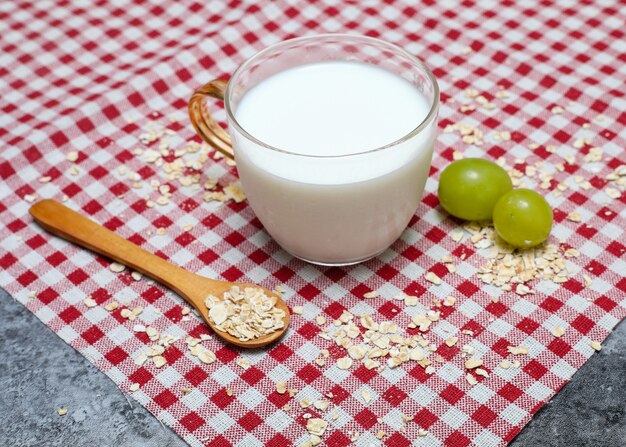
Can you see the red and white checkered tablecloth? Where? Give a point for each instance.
(88, 76)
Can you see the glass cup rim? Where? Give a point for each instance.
(432, 113)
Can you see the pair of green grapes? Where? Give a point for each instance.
(479, 190)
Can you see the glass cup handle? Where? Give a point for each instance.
(203, 122)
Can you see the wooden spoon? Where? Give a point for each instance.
(62, 221)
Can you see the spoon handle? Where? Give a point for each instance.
(62, 221)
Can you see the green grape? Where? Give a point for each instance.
(522, 218)
(470, 188)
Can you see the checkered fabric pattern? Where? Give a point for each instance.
(84, 76)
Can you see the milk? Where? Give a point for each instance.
(316, 198)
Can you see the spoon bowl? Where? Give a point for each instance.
(62, 221)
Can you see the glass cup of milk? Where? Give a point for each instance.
(333, 137)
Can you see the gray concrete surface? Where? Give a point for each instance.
(40, 373)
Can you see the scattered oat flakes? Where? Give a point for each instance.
(210, 184)
(152, 333)
(243, 362)
(128, 314)
(90, 302)
(316, 426)
(523, 289)
(111, 306)
(297, 310)
(613, 193)
(372, 294)
(133, 387)
(380, 434)
(471, 379)
(594, 154)
(410, 300)
(511, 269)
(62, 411)
(502, 135)
(159, 361)
(215, 196)
(518, 350)
(281, 387)
(558, 331)
(571, 253)
(449, 301)
(356, 352)
(502, 94)
(344, 363)
(579, 143)
(481, 372)
(162, 200)
(155, 350)
(370, 364)
(596, 345)
(574, 217)
(451, 341)
(471, 93)
(321, 404)
(116, 267)
(421, 432)
(433, 278)
(366, 395)
(473, 362)
(457, 235)
(72, 156)
(235, 193)
(207, 356)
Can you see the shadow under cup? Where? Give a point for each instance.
(336, 223)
